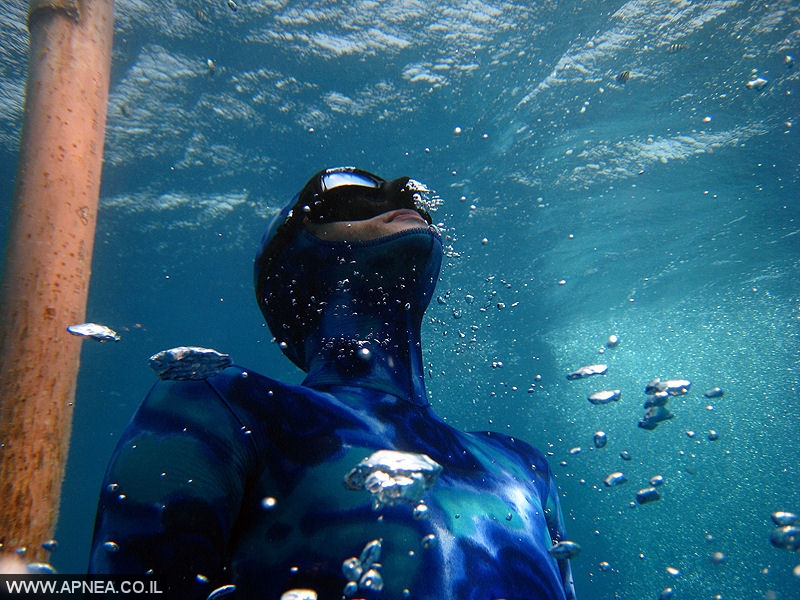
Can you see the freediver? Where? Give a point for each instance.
(348, 485)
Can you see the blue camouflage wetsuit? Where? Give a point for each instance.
(240, 479)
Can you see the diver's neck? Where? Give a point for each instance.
(380, 351)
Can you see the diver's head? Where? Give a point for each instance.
(349, 243)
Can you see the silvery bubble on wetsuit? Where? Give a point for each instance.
(299, 594)
(188, 363)
(393, 477)
(228, 590)
(363, 573)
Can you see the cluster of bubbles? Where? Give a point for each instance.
(14, 563)
(394, 477)
(658, 394)
(644, 495)
(786, 534)
(363, 572)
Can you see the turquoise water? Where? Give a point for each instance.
(663, 210)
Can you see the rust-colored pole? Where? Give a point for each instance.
(48, 260)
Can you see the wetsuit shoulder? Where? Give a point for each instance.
(516, 451)
(172, 490)
(519, 451)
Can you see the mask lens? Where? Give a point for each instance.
(335, 179)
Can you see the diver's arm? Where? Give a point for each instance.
(173, 489)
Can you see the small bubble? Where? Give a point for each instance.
(39, 568)
(351, 569)
(457, 130)
(268, 502)
(111, 546)
(221, 592)
(718, 558)
(303, 594)
(371, 554)
(371, 580)
(429, 541)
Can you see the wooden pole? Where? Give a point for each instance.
(48, 260)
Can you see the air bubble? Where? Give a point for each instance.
(371, 580)
(111, 546)
(429, 541)
(222, 592)
(421, 511)
(299, 594)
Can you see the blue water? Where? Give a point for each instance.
(663, 210)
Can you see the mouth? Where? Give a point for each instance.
(405, 214)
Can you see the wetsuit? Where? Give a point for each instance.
(240, 479)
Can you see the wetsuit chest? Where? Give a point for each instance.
(315, 517)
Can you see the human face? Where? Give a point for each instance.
(388, 223)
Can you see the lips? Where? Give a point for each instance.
(404, 214)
